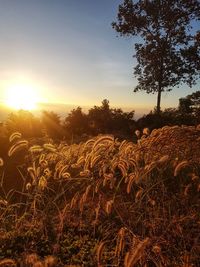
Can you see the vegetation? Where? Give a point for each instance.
(101, 188)
(78, 126)
(104, 202)
(168, 50)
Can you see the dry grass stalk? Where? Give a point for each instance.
(123, 168)
(85, 195)
(94, 160)
(42, 184)
(131, 180)
(100, 252)
(126, 259)
(36, 149)
(163, 159)
(15, 136)
(136, 253)
(32, 172)
(180, 167)
(109, 205)
(137, 133)
(156, 249)
(97, 211)
(123, 143)
(38, 264)
(120, 242)
(186, 260)
(3, 202)
(28, 186)
(85, 173)
(66, 175)
(50, 261)
(97, 186)
(80, 162)
(49, 147)
(87, 161)
(81, 204)
(139, 194)
(146, 131)
(30, 259)
(104, 138)
(1, 162)
(63, 170)
(8, 263)
(20, 145)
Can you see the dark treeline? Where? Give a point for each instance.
(78, 126)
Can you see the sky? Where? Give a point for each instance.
(68, 52)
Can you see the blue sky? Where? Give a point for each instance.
(68, 51)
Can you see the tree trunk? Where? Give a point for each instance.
(160, 82)
(158, 99)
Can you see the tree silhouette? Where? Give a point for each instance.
(76, 122)
(100, 118)
(167, 50)
(191, 105)
(52, 125)
(105, 119)
(122, 122)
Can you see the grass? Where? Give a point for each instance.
(105, 202)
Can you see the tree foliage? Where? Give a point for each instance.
(99, 120)
(76, 122)
(52, 124)
(104, 119)
(190, 104)
(168, 48)
(100, 117)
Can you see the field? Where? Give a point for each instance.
(103, 202)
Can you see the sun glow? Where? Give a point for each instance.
(21, 97)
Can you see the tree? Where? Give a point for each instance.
(185, 105)
(168, 49)
(190, 105)
(52, 125)
(76, 122)
(123, 123)
(100, 118)
(107, 120)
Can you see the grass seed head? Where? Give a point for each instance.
(30, 259)
(50, 261)
(20, 145)
(180, 167)
(15, 136)
(1, 162)
(100, 252)
(42, 184)
(109, 205)
(137, 133)
(28, 186)
(146, 131)
(7, 263)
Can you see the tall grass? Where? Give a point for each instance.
(134, 204)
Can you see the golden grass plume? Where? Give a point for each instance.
(20, 145)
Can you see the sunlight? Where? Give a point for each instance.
(21, 97)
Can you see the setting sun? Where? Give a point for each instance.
(21, 97)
